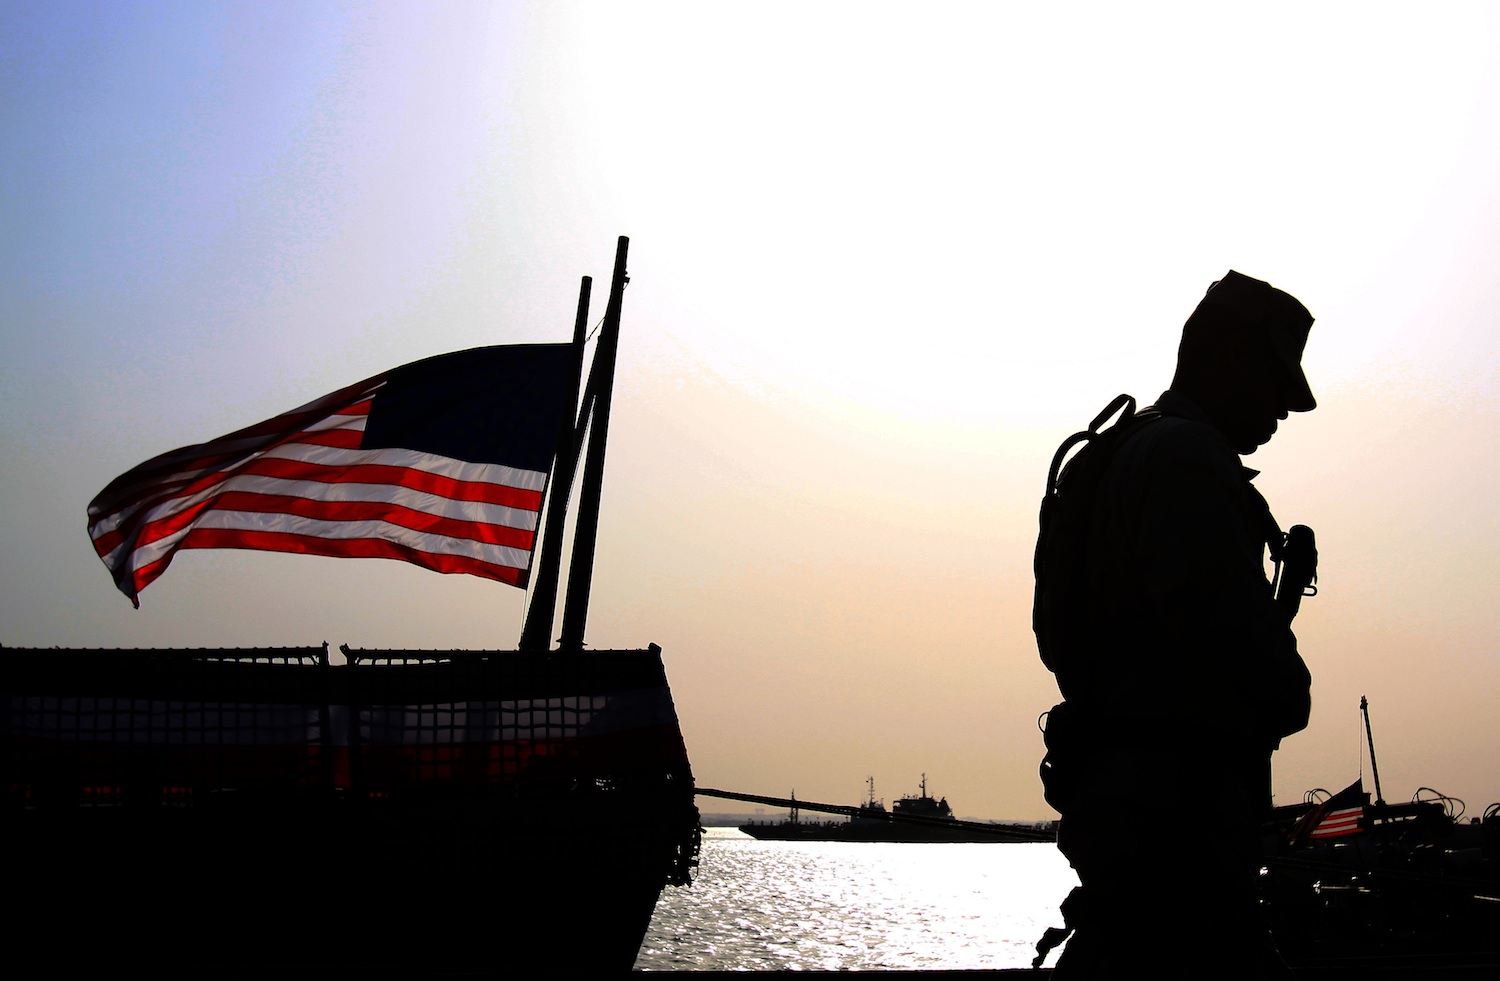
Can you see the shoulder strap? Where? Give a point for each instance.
(1114, 407)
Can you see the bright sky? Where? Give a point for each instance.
(884, 259)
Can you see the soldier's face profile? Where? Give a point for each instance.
(1263, 392)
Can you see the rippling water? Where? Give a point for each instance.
(780, 905)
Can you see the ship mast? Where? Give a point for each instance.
(592, 424)
(543, 608)
(586, 528)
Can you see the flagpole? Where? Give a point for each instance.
(601, 383)
(536, 631)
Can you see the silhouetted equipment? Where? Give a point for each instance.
(1297, 569)
(1065, 636)
(413, 811)
(1400, 890)
(1364, 710)
(1073, 484)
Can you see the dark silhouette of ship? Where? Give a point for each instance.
(1407, 888)
(1354, 885)
(413, 812)
(915, 817)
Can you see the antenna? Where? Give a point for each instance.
(1364, 708)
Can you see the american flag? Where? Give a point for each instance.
(1335, 817)
(441, 463)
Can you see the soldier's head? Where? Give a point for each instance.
(1241, 359)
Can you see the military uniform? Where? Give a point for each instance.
(1191, 680)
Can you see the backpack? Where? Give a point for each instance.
(1063, 634)
(1067, 510)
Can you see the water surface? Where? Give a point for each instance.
(799, 905)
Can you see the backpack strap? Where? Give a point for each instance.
(1114, 407)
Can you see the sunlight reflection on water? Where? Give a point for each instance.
(774, 905)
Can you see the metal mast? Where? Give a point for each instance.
(539, 616)
(1364, 708)
(597, 403)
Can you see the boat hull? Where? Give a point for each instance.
(891, 831)
(411, 811)
(837, 831)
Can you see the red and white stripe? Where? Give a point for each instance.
(301, 483)
(1339, 822)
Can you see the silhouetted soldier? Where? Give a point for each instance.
(1178, 667)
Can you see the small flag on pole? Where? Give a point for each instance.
(1335, 817)
(441, 463)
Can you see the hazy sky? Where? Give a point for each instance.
(884, 259)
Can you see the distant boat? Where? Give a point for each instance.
(915, 818)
